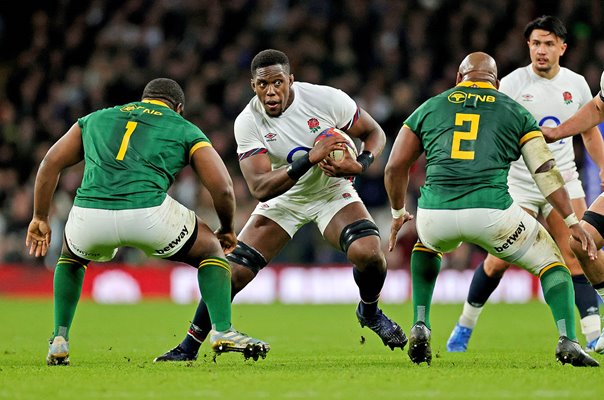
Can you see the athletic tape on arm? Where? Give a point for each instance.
(536, 153)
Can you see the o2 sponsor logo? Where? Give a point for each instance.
(291, 156)
(554, 122)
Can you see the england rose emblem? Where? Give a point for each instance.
(313, 125)
(568, 97)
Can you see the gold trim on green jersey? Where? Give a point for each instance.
(156, 102)
(480, 85)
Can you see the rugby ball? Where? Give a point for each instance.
(338, 155)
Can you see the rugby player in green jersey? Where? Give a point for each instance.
(470, 134)
(132, 154)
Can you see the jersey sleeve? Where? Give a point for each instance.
(246, 134)
(196, 139)
(345, 109)
(602, 86)
(528, 125)
(415, 120)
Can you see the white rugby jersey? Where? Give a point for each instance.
(551, 102)
(292, 134)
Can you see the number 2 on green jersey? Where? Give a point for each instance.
(130, 127)
(458, 136)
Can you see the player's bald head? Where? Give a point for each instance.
(478, 66)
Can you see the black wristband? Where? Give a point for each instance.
(365, 158)
(299, 167)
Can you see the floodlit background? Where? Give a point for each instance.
(60, 60)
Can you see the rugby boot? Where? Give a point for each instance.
(419, 344)
(570, 352)
(233, 341)
(391, 334)
(176, 354)
(58, 351)
(458, 341)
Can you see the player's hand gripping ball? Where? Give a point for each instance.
(338, 155)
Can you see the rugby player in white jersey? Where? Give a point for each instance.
(588, 116)
(297, 183)
(552, 94)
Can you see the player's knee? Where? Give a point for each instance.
(240, 277)
(357, 230)
(593, 222)
(495, 267)
(247, 257)
(367, 259)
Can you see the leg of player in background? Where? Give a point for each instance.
(353, 230)
(586, 298)
(261, 236)
(593, 222)
(485, 280)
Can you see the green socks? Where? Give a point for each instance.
(68, 279)
(425, 266)
(559, 295)
(214, 277)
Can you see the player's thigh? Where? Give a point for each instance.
(520, 239)
(594, 224)
(438, 230)
(347, 217)
(264, 235)
(90, 234)
(162, 231)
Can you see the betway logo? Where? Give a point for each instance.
(511, 239)
(174, 242)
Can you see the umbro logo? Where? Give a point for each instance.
(270, 137)
(527, 97)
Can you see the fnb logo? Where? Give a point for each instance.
(459, 97)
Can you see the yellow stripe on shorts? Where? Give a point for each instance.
(420, 247)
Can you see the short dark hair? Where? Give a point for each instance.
(269, 57)
(165, 89)
(547, 23)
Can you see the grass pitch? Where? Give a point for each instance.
(318, 352)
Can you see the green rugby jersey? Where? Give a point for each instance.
(133, 153)
(470, 134)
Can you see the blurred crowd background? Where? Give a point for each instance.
(61, 59)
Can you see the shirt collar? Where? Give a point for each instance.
(156, 102)
(478, 84)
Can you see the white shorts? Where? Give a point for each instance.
(161, 231)
(529, 197)
(512, 235)
(291, 215)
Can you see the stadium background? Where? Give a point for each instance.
(60, 60)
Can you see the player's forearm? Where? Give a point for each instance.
(560, 200)
(375, 142)
(396, 182)
(587, 117)
(224, 205)
(47, 179)
(271, 184)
